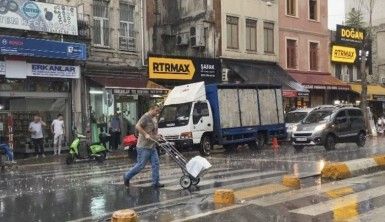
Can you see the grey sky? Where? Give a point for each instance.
(336, 13)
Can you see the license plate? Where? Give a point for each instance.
(301, 139)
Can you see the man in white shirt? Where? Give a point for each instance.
(36, 130)
(57, 128)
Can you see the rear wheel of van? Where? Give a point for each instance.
(205, 146)
(330, 142)
(298, 148)
(361, 139)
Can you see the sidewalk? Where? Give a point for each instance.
(50, 159)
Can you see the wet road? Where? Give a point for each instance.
(92, 191)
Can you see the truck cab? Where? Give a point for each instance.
(187, 116)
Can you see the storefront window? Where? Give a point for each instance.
(35, 85)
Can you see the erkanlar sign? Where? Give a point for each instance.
(38, 16)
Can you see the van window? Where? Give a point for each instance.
(341, 117)
(356, 118)
(200, 109)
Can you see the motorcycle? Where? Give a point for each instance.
(129, 144)
(81, 149)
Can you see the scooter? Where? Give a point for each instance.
(80, 149)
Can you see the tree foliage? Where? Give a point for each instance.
(355, 19)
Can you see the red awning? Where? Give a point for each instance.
(319, 80)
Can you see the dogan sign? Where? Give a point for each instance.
(343, 54)
(350, 35)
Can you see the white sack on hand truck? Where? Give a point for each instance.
(197, 166)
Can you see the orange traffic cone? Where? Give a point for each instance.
(274, 144)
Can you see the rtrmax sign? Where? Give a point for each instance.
(184, 69)
(349, 35)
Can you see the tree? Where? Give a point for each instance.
(355, 19)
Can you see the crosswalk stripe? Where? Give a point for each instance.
(235, 178)
(258, 191)
(210, 174)
(327, 206)
(309, 191)
(378, 214)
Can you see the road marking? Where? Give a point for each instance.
(258, 191)
(327, 206)
(222, 180)
(377, 214)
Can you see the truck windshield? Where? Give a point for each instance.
(318, 116)
(295, 117)
(175, 115)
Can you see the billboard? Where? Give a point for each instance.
(185, 69)
(349, 35)
(10, 45)
(38, 16)
(344, 54)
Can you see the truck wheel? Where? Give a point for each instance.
(361, 139)
(330, 142)
(205, 146)
(259, 142)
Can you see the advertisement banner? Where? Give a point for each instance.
(2, 68)
(53, 71)
(343, 54)
(185, 69)
(350, 35)
(10, 45)
(38, 16)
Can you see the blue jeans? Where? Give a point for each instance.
(143, 156)
(7, 151)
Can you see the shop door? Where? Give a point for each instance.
(129, 116)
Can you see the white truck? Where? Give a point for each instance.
(202, 115)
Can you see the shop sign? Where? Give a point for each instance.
(379, 98)
(38, 16)
(350, 35)
(185, 69)
(327, 87)
(289, 93)
(137, 91)
(343, 54)
(10, 45)
(53, 71)
(2, 68)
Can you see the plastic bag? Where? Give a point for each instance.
(197, 166)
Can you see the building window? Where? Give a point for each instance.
(291, 7)
(268, 30)
(126, 31)
(101, 33)
(232, 32)
(291, 50)
(313, 56)
(350, 72)
(313, 10)
(338, 70)
(251, 35)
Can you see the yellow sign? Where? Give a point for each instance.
(351, 33)
(170, 68)
(343, 54)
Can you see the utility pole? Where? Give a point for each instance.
(364, 83)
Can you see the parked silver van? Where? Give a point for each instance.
(329, 125)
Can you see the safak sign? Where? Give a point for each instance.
(349, 35)
(185, 69)
(343, 54)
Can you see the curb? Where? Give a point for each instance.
(347, 169)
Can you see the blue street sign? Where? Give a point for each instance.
(11, 45)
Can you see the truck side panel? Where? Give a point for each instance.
(229, 108)
(281, 117)
(249, 107)
(268, 104)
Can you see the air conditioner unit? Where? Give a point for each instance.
(197, 36)
(182, 39)
(225, 75)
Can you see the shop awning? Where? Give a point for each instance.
(120, 85)
(375, 91)
(266, 73)
(312, 80)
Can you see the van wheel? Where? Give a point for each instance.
(330, 142)
(361, 139)
(299, 148)
(205, 146)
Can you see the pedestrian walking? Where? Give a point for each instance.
(36, 130)
(57, 128)
(115, 130)
(146, 150)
